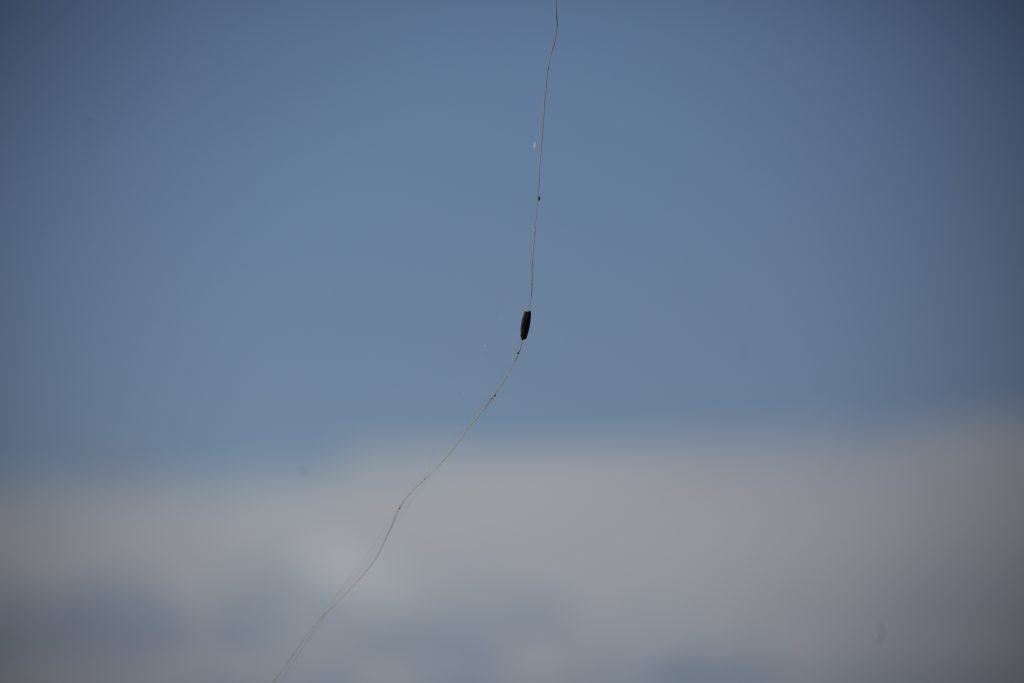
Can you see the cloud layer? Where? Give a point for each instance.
(857, 557)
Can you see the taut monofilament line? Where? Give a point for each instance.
(374, 553)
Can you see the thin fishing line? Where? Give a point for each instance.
(374, 553)
(540, 157)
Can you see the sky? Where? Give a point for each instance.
(253, 251)
(252, 230)
(740, 560)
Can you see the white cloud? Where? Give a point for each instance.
(661, 560)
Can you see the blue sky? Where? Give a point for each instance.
(261, 261)
(256, 230)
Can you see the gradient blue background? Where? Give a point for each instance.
(253, 230)
(260, 262)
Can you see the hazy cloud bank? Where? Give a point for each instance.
(891, 557)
